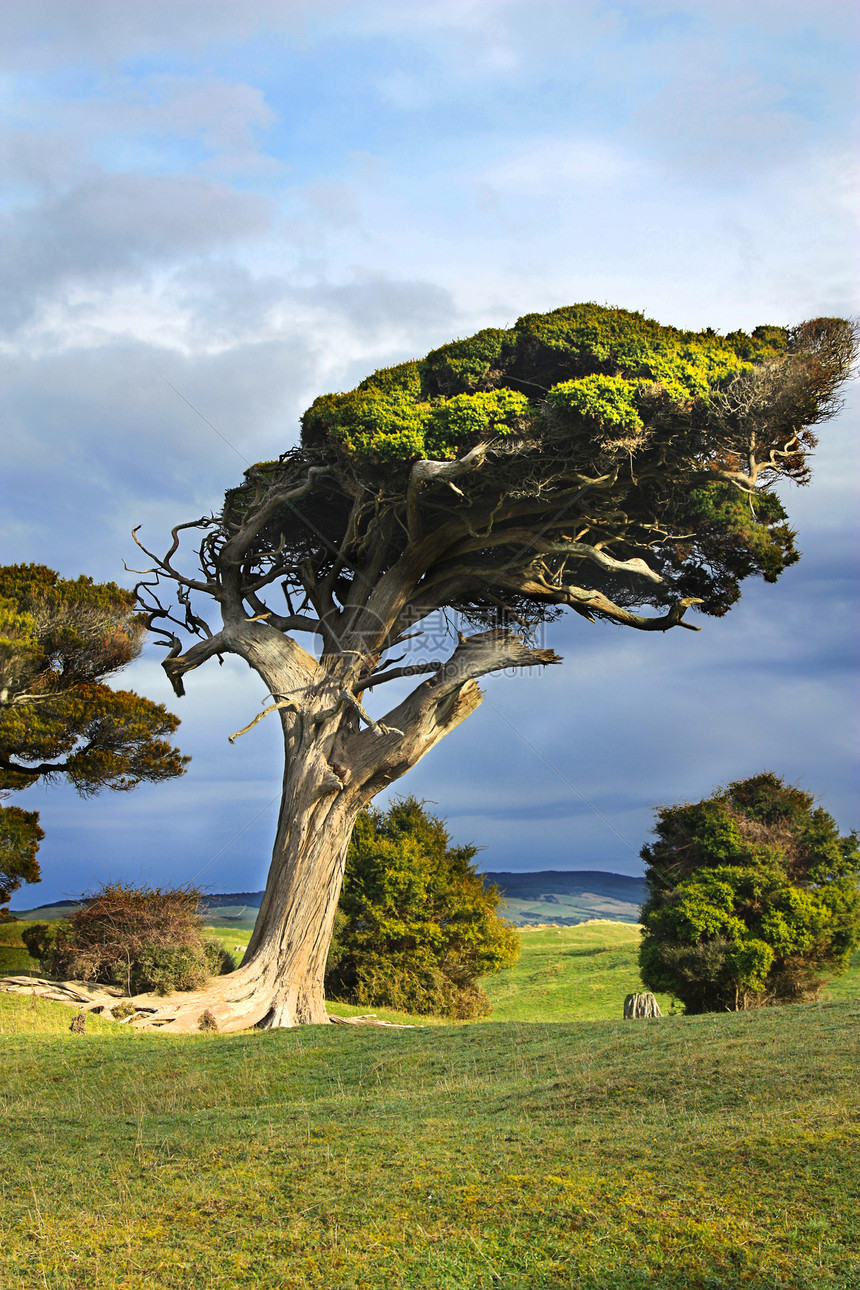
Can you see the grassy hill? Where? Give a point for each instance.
(569, 897)
(707, 1153)
(549, 896)
(689, 1154)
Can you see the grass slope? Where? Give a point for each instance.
(705, 1153)
(569, 897)
(695, 1153)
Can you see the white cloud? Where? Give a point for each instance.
(572, 165)
(118, 225)
(260, 222)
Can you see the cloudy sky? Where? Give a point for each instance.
(212, 213)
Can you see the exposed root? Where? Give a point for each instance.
(80, 994)
(240, 1000)
(371, 1019)
(228, 1004)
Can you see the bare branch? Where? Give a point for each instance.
(283, 622)
(536, 542)
(379, 728)
(394, 674)
(165, 567)
(426, 472)
(237, 546)
(347, 698)
(273, 707)
(177, 664)
(44, 769)
(595, 602)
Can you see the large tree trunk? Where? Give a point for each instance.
(337, 760)
(289, 946)
(280, 982)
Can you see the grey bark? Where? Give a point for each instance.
(336, 760)
(641, 1005)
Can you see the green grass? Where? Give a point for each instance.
(24, 1015)
(14, 959)
(694, 1153)
(701, 1153)
(847, 987)
(577, 973)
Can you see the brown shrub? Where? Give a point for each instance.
(140, 938)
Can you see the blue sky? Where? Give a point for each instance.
(254, 204)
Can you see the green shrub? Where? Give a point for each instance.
(48, 944)
(752, 898)
(416, 927)
(159, 969)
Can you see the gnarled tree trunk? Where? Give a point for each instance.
(337, 760)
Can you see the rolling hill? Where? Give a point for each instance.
(565, 897)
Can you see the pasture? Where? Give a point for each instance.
(710, 1152)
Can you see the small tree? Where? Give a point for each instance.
(587, 458)
(752, 898)
(20, 835)
(416, 927)
(59, 640)
(140, 938)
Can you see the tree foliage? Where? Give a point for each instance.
(20, 836)
(59, 640)
(416, 927)
(587, 458)
(752, 898)
(140, 938)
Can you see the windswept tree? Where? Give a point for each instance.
(588, 458)
(59, 640)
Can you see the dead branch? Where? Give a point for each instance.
(165, 567)
(273, 707)
(395, 673)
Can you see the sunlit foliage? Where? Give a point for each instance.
(753, 898)
(598, 362)
(416, 927)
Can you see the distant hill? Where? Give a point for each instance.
(47, 913)
(234, 908)
(558, 896)
(569, 896)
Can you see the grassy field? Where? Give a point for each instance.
(564, 974)
(704, 1153)
(701, 1153)
(577, 973)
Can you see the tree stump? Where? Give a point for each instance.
(641, 1005)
